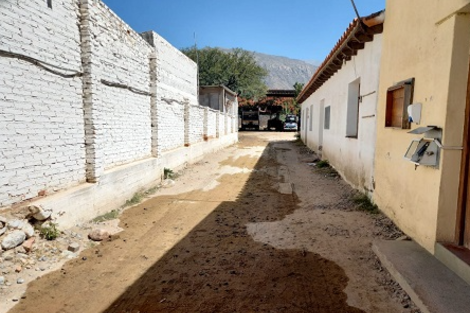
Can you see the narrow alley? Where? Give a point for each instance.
(252, 228)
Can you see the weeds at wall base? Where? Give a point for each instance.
(111, 215)
(323, 167)
(363, 203)
(136, 198)
(168, 173)
(151, 191)
(323, 164)
(139, 196)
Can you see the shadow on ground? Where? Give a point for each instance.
(216, 267)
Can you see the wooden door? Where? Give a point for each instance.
(463, 218)
(465, 241)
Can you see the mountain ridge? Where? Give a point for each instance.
(283, 72)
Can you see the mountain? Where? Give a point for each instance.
(283, 72)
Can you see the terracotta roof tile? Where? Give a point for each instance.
(353, 39)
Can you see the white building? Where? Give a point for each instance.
(339, 103)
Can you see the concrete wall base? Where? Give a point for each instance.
(86, 201)
(453, 262)
(431, 285)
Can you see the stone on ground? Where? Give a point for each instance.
(74, 247)
(28, 244)
(98, 235)
(13, 239)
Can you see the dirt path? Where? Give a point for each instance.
(224, 239)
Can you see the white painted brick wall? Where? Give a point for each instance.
(41, 121)
(212, 124)
(46, 119)
(170, 125)
(122, 120)
(196, 124)
(176, 85)
(222, 124)
(31, 28)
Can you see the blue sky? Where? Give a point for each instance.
(298, 29)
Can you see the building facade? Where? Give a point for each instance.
(421, 178)
(339, 103)
(91, 111)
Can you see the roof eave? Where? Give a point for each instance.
(353, 39)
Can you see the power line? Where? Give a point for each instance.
(355, 10)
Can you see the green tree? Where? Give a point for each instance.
(236, 69)
(294, 107)
(298, 88)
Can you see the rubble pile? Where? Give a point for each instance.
(32, 245)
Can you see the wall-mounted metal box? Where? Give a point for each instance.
(426, 150)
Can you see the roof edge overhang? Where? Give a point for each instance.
(354, 38)
(233, 93)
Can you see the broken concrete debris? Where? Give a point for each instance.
(74, 247)
(25, 250)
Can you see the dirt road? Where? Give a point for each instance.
(228, 237)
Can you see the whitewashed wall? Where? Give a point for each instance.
(221, 129)
(116, 123)
(195, 124)
(176, 85)
(121, 116)
(353, 158)
(212, 123)
(41, 120)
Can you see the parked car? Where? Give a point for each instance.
(290, 124)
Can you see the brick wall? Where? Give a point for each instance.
(211, 123)
(221, 130)
(41, 121)
(102, 96)
(176, 84)
(195, 124)
(120, 58)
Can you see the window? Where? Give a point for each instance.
(307, 116)
(352, 113)
(304, 118)
(326, 124)
(311, 117)
(398, 99)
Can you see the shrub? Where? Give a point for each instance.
(50, 231)
(168, 173)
